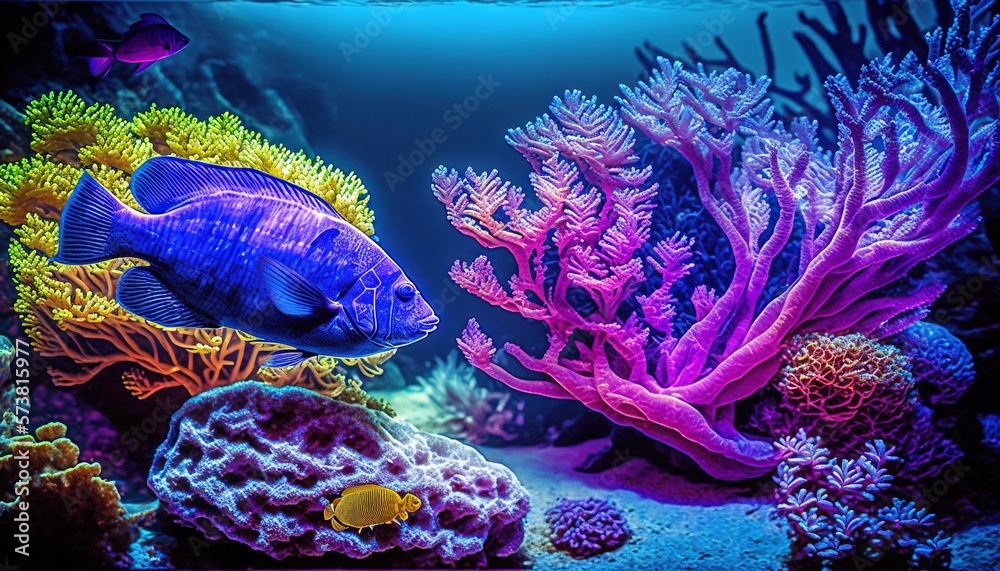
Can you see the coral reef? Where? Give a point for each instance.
(851, 389)
(465, 408)
(71, 506)
(847, 47)
(841, 512)
(69, 311)
(6, 356)
(587, 527)
(917, 144)
(123, 457)
(258, 464)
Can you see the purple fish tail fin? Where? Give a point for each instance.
(86, 222)
(103, 60)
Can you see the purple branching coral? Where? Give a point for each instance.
(840, 512)
(918, 142)
(584, 528)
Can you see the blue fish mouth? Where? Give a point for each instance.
(428, 324)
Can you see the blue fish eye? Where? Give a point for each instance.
(406, 292)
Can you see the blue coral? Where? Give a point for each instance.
(6, 355)
(841, 511)
(587, 527)
(991, 431)
(941, 364)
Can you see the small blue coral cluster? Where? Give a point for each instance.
(991, 431)
(6, 355)
(841, 511)
(584, 528)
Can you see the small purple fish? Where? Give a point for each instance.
(235, 247)
(146, 42)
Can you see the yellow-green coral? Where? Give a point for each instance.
(70, 311)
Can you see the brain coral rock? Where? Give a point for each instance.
(942, 365)
(587, 527)
(258, 464)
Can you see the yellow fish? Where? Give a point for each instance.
(369, 505)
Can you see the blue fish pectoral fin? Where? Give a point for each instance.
(293, 294)
(142, 292)
(286, 359)
(143, 67)
(86, 223)
(163, 183)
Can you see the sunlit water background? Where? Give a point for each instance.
(386, 80)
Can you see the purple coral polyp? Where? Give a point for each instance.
(584, 528)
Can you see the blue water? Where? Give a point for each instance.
(395, 73)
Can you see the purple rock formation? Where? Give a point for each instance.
(587, 527)
(991, 431)
(258, 464)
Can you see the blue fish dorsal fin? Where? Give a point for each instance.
(293, 294)
(163, 183)
(148, 19)
(151, 18)
(140, 291)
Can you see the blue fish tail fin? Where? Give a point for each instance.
(86, 222)
(103, 60)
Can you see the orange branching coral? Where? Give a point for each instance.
(71, 312)
(326, 376)
(834, 377)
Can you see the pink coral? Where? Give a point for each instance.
(918, 143)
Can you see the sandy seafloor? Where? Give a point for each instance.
(677, 524)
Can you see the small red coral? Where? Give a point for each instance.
(837, 378)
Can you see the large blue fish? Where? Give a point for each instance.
(235, 247)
